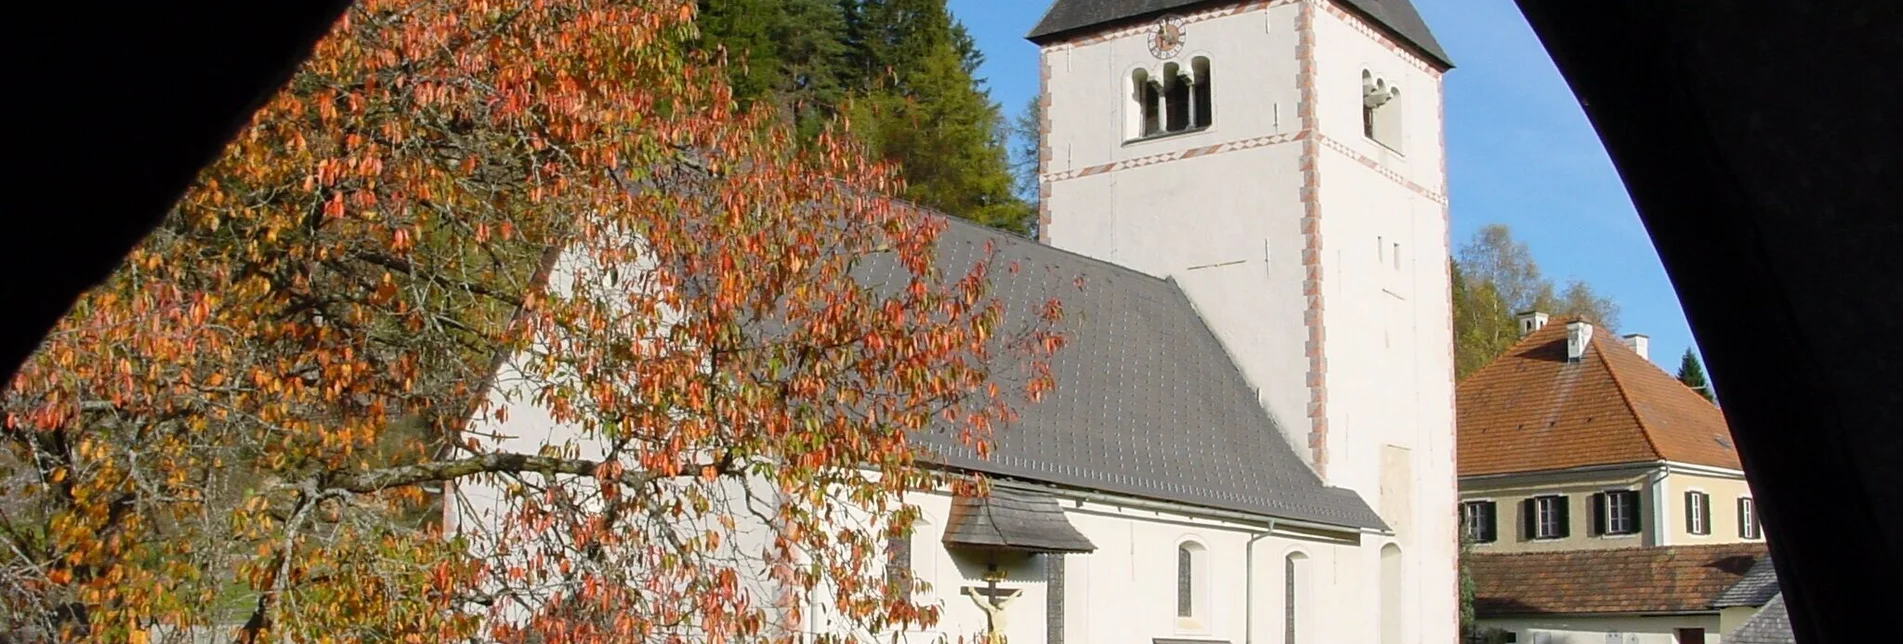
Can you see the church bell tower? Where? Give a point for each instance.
(1282, 161)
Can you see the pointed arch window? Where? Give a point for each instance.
(1294, 569)
(1192, 585)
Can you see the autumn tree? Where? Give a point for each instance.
(461, 220)
(1495, 278)
(1483, 324)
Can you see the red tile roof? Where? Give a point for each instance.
(1531, 410)
(1624, 580)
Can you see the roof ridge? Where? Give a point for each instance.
(1625, 397)
(1274, 425)
(960, 221)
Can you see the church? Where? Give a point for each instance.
(1252, 437)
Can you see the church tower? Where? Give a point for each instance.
(1283, 162)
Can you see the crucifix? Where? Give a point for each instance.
(992, 601)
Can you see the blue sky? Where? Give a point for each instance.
(1520, 152)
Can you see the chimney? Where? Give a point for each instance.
(1578, 335)
(1531, 321)
(1640, 344)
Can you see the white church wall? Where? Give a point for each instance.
(1387, 315)
(1125, 591)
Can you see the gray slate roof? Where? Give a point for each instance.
(1757, 587)
(1013, 520)
(1147, 402)
(1772, 625)
(1397, 16)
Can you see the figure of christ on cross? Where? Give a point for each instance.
(992, 601)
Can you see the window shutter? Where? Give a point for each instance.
(1563, 506)
(1742, 520)
(1638, 512)
(1704, 503)
(1489, 518)
(1529, 520)
(1599, 502)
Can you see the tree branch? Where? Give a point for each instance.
(407, 475)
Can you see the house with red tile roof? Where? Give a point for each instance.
(1602, 499)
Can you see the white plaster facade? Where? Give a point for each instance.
(1126, 590)
(1317, 255)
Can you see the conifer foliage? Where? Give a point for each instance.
(900, 73)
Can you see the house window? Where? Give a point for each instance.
(1747, 518)
(1615, 512)
(1691, 636)
(1380, 110)
(1477, 520)
(1191, 575)
(1697, 513)
(1545, 517)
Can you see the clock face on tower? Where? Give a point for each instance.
(1166, 38)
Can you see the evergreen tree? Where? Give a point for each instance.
(1025, 135)
(923, 110)
(791, 53)
(745, 31)
(1692, 374)
(900, 72)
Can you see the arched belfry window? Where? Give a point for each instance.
(1147, 93)
(1176, 96)
(1202, 107)
(1380, 110)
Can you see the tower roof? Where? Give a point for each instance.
(1398, 17)
(1532, 409)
